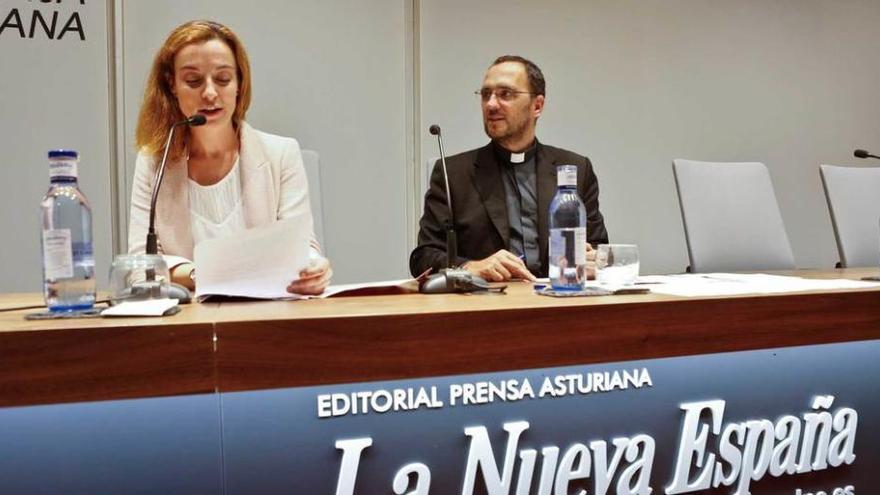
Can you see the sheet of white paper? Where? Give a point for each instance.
(258, 263)
(731, 284)
(617, 289)
(655, 279)
(336, 289)
(150, 307)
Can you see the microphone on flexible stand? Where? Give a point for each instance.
(149, 287)
(864, 154)
(450, 279)
(195, 121)
(451, 236)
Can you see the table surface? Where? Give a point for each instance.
(518, 295)
(232, 346)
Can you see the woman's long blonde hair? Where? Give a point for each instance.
(159, 110)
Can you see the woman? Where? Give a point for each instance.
(223, 176)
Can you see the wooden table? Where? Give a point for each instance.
(257, 345)
(229, 393)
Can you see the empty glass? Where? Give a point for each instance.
(617, 264)
(137, 277)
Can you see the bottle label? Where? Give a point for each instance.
(57, 254)
(566, 176)
(62, 168)
(569, 245)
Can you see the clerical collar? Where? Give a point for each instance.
(506, 156)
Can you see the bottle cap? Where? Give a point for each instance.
(63, 154)
(566, 175)
(62, 164)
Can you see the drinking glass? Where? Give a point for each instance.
(138, 277)
(617, 264)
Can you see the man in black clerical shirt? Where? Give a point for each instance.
(501, 192)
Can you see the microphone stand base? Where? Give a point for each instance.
(453, 281)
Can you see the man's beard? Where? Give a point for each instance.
(512, 133)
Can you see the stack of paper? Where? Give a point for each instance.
(258, 263)
(731, 284)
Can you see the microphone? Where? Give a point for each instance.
(451, 236)
(151, 288)
(152, 243)
(864, 154)
(450, 279)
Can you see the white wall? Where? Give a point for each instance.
(332, 75)
(631, 83)
(53, 94)
(635, 83)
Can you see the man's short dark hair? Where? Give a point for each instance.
(537, 85)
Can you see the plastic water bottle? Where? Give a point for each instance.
(568, 233)
(68, 258)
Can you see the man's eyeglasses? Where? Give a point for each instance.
(503, 94)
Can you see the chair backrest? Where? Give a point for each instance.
(731, 217)
(853, 196)
(312, 161)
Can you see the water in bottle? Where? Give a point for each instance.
(568, 233)
(68, 258)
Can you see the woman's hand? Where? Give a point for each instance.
(314, 279)
(184, 274)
